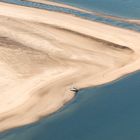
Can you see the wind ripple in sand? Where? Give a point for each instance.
(40, 59)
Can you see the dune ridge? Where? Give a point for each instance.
(43, 53)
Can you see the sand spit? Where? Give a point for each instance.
(58, 4)
(103, 15)
(43, 53)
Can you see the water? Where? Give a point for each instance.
(122, 8)
(88, 16)
(108, 112)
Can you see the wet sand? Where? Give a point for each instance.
(43, 53)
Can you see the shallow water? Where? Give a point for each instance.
(108, 112)
(88, 16)
(123, 8)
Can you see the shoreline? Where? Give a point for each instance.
(57, 4)
(120, 20)
(69, 102)
(116, 18)
(43, 67)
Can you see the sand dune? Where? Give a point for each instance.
(43, 53)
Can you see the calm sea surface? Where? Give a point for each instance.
(107, 112)
(123, 8)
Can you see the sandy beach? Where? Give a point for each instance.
(42, 53)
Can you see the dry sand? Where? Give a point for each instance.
(43, 53)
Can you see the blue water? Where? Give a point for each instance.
(122, 8)
(108, 112)
(88, 16)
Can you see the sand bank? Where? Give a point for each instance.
(58, 4)
(43, 53)
(100, 14)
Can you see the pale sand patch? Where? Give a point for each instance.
(43, 53)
